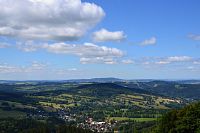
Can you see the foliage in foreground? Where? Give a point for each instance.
(186, 120)
(33, 126)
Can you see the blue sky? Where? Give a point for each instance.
(71, 39)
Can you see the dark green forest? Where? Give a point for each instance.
(186, 120)
(10, 125)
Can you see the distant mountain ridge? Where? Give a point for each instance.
(98, 80)
(102, 80)
(187, 89)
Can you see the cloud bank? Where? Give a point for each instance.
(87, 52)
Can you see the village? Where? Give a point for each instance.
(81, 121)
(88, 123)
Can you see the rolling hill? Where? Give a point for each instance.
(168, 88)
(107, 89)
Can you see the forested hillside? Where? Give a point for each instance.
(186, 120)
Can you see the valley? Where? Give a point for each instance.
(97, 106)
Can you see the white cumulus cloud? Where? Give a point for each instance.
(87, 52)
(179, 59)
(194, 37)
(62, 20)
(4, 45)
(98, 60)
(162, 62)
(196, 62)
(167, 60)
(33, 67)
(128, 61)
(150, 41)
(104, 35)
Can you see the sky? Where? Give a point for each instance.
(74, 39)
